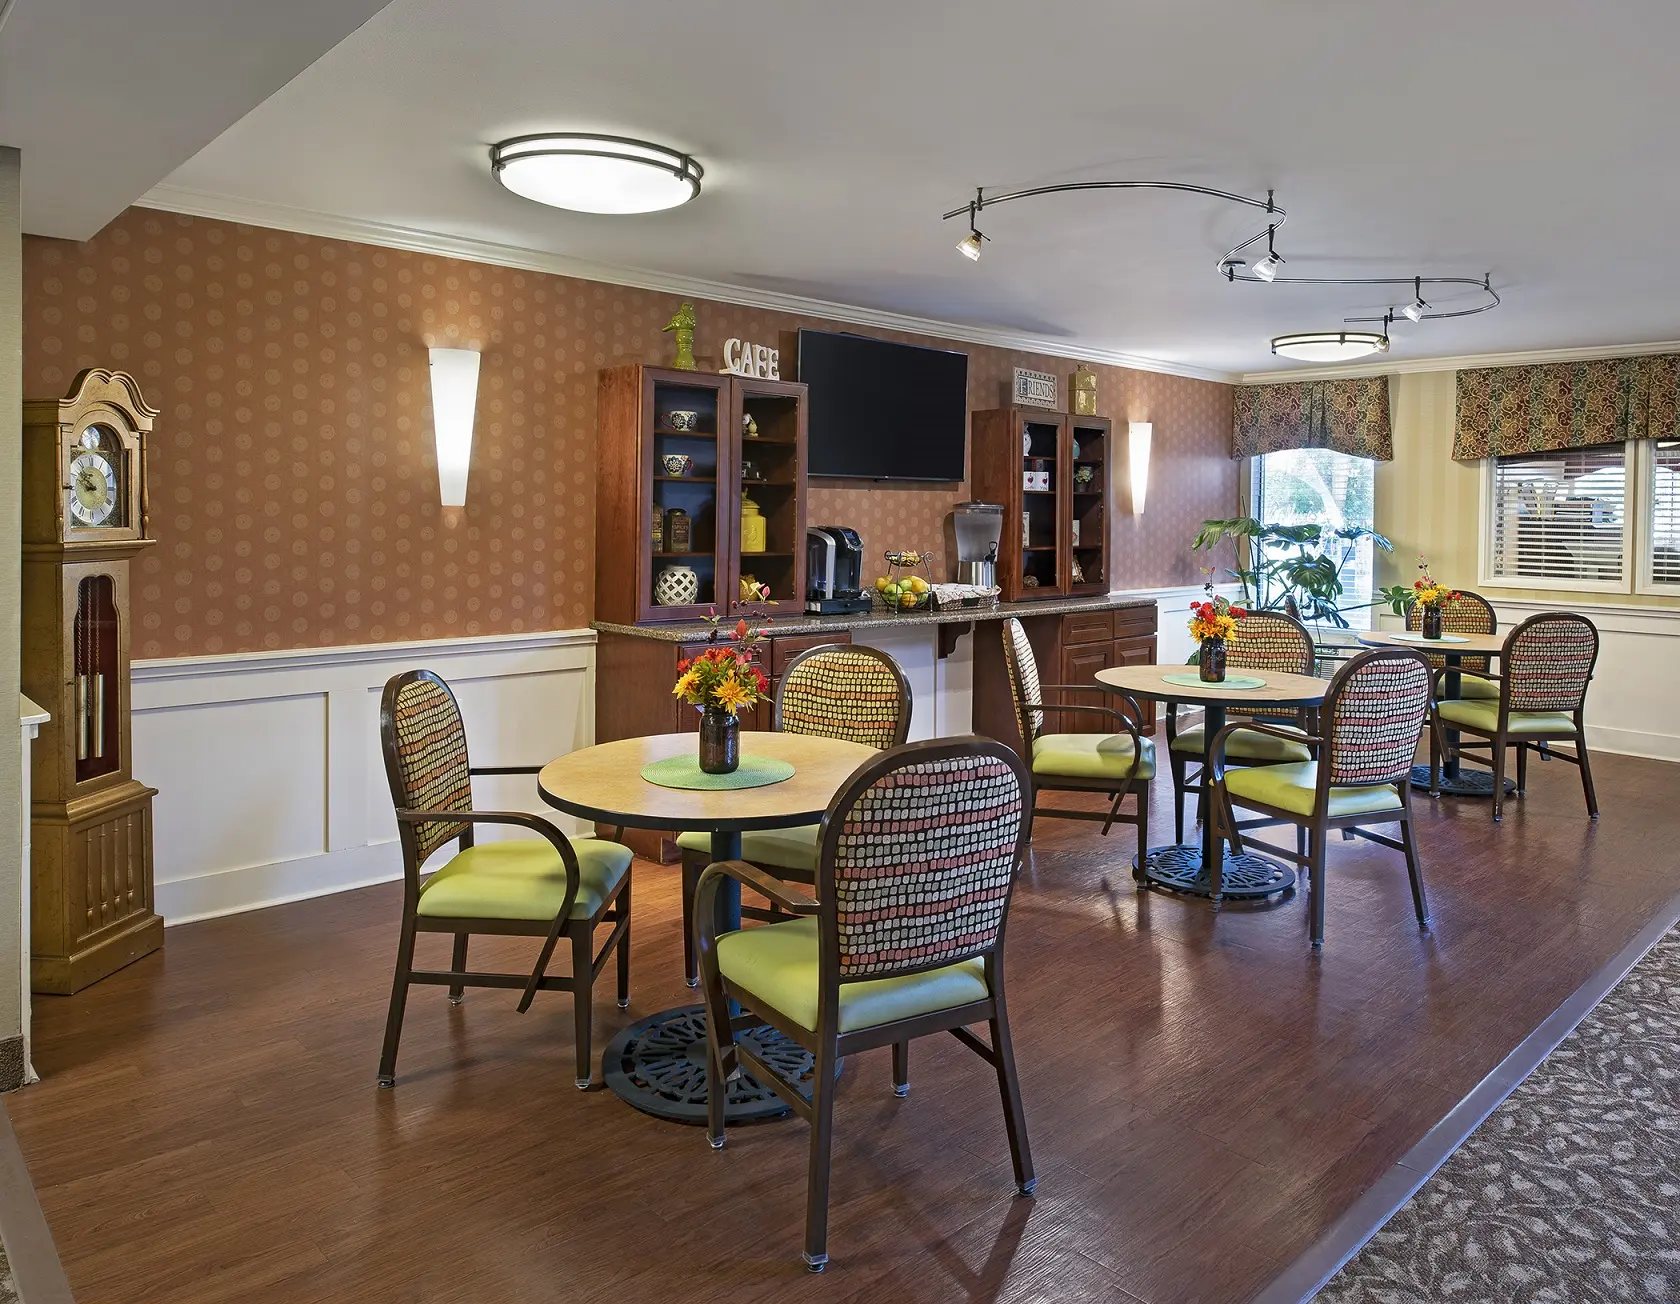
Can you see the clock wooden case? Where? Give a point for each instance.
(84, 520)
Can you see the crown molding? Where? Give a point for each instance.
(303, 221)
(1462, 362)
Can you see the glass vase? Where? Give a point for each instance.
(720, 741)
(1211, 662)
(1432, 622)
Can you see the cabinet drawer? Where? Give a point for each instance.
(1131, 622)
(1088, 627)
(783, 650)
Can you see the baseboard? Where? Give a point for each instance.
(255, 887)
(1630, 742)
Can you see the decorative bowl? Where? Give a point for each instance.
(683, 419)
(1084, 474)
(677, 463)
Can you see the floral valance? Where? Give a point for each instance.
(1349, 416)
(1563, 405)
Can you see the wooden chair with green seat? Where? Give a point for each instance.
(548, 887)
(838, 690)
(917, 859)
(1113, 764)
(1265, 640)
(1371, 721)
(1544, 670)
(1463, 613)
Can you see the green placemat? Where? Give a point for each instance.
(1230, 681)
(1419, 638)
(685, 772)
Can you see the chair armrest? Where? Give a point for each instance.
(517, 818)
(1441, 674)
(1216, 749)
(705, 893)
(1121, 716)
(505, 769)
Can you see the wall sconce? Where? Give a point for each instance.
(454, 396)
(1139, 434)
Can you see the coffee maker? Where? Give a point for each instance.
(834, 572)
(976, 529)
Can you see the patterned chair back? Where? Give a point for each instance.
(1373, 716)
(856, 694)
(919, 853)
(425, 745)
(1548, 661)
(1468, 613)
(1024, 683)
(1270, 640)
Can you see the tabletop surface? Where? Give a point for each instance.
(605, 782)
(1281, 687)
(1479, 645)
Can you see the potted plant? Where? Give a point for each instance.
(723, 681)
(1292, 568)
(1212, 624)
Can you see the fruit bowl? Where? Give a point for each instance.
(908, 583)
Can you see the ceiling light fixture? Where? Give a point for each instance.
(595, 174)
(1267, 268)
(1330, 346)
(1415, 310)
(969, 245)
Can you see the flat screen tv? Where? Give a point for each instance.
(884, 411)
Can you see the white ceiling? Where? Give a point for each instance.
(106, 97)
(1529, 138)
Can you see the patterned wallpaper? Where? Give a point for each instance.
(293, 483)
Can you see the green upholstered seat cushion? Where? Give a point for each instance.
(779, 848)
(1485, 717)
(1090, 756)
(1473, 688)
(523, 879)
(1292, 788)
(778, 964)
(1246, 745)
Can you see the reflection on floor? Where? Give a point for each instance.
(1568, 1190)
(1204, 1095)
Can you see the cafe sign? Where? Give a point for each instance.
(757, 360)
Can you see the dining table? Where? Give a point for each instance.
(1452, 648)
(658, 1063)
(1202, 868)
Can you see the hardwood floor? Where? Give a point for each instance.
(1203, 1094)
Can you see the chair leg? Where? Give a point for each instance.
(458, 964)
(399, 1002)
(1316, 841)
(1498, 778)
(901, 1068)
(624, 947)
(1138, 875)
(1414, 871)
(1434, 756)
(822, 1145)
(1301, 841)
(1586, 773)
(1014, 1116)
(691, 871)
(1177, 764)
(1522, 768)
(583, 992)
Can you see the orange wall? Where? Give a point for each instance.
(293, 485)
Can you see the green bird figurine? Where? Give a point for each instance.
(683, 324)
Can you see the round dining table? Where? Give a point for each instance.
(1456, 781)
(1194, 868)
(658, 1064)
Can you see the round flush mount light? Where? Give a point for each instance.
(595, 174)
(1330, 346)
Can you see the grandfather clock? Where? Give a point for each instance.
(84, 520)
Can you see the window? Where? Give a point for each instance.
(1662, 509)
(1559, 520)
(1315, 486)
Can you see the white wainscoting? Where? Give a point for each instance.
(270, 783)
(1633, 705)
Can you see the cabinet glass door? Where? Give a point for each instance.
(1090, 460)
(1041, 503)
(690, 534)
(769, 442)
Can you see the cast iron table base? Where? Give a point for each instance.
(1466, 783)
(658, 1065)
(1247, 877)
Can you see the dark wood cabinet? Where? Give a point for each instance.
(672, 442)
(1051, 473)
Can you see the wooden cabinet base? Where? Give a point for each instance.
(91, 905)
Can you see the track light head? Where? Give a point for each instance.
(1267, 268)
(1414, 311)
(969, 246)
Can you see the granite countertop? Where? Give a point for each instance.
(797, 622)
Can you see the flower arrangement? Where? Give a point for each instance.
(1215, 618)
(724, 678)
(1426, 591)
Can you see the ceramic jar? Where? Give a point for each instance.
(676, 586)
(754, 528)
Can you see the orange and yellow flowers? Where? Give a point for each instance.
(1215, 618)
(1427, 591)
(724, 678)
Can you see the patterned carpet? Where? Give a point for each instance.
(1569, 1192)
(8, 1288)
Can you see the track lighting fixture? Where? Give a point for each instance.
(1321, 346)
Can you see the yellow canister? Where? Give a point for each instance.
(754, 528)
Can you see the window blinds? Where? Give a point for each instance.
(1664, 512)
(1561, 515)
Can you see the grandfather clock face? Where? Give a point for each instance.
(97, 491)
